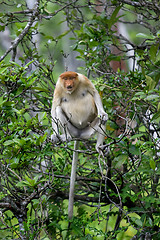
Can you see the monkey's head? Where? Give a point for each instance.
(69, 81)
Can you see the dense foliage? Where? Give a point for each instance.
(117, 194)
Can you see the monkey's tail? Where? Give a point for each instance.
(72, 180)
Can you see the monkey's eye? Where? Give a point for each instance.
(65, 78)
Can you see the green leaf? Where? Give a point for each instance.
(40, 89)
(35, 202)
(36, 178)
(1, 101)
(76, 229)
(152, 164)
(15, 163)
(8, 142)
(142, 129)
(133, 149)
(153, 52)
(29, 180)
(115, 12)
(137, 136)
(2, 28)
(113, 18)
(151, 97)
(63, 34)
(19, 90)
(9, 103)
(29, 83)
(150, 222)
(3, 69)
(29, 63)
(22, 184)
(137, 221)
(150, 83)
(121, 159)
(42, 116)
(139, 95)
(143, 35)
(156, 116)
(16, 64)
(158, 57)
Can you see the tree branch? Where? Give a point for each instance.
(24, 32)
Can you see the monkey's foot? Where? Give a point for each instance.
(55, 138)
(103, 118)
(103, 149)
(60, 138)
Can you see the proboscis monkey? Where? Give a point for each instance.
(78, 111)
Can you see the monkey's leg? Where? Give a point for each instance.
(67, 128)
(89, 131)
(95, 127)
(100, 136)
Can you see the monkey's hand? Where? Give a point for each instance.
(60, 138)
(103, 117)
(55, 138)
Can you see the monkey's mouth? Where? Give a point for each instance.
(69, 88)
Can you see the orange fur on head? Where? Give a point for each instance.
(68, 74)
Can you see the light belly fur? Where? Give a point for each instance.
(80, 111)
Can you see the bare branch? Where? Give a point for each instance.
(24, 32)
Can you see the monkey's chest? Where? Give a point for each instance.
(80, 110)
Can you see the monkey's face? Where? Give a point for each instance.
(69, 81)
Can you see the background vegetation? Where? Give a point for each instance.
(117, 45)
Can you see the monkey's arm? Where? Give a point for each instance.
(97, 99)
(55, 104)
(60, 122)
(101, 113)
